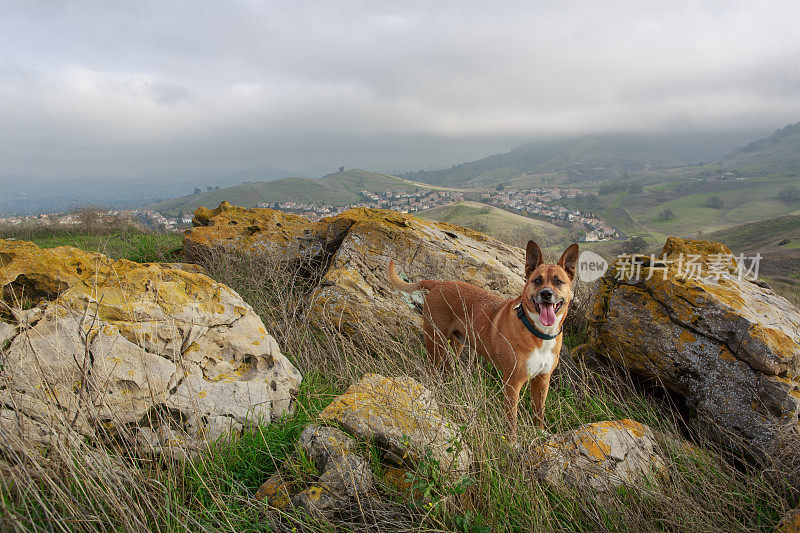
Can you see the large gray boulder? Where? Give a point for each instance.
(166, 358)
(729, 345)
(350, 252)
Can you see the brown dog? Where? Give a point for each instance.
(520, 336)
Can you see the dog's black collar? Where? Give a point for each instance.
(530, 327)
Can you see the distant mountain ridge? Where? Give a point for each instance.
(24, 195)
(779, 153)
(609, 156)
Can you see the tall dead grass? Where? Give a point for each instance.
(79, 487)
(700, 492)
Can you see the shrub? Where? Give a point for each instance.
(789, 194)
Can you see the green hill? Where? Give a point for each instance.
(748, 185)
(781, 233)
(340, 188)
(498, 223)
(777, 154)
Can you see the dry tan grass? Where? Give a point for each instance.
(700, 491)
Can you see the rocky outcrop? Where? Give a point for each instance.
(401, 417)
(729, 346)
(161, 356)
(601, 456)
(350, 252)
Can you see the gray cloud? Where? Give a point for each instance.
(168, 89)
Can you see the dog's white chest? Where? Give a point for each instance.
(541, 360)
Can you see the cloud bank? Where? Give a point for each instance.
(171, 89)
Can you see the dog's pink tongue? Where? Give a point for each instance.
(546, 314)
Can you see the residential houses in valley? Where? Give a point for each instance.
(537, 203)
(541, 203)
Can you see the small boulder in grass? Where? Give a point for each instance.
(274, 492)
(601, 455)
(401, 416)
(345, 477)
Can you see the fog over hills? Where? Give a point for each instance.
(586, 159)
(615, 151)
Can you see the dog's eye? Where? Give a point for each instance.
(557, 282)
(537, 281)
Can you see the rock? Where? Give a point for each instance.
(729, 346)
(230, 228)
(344, 475)
(790, 523)
(402, 417)
(275, 492)
(400, 478)
(601, 455)
(350, 253)
(156, 354)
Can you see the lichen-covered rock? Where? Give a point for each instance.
(275, 492)
(229, 228)
(402, 417)
(351, 251)
(162, 355)
(601, 455)
(790, 523)
(344, 475)
(730, 346)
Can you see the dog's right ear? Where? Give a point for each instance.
(533, 258)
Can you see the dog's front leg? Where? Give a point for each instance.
(540, 385)
(511, 390)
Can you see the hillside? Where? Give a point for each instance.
(747, 185)
(778, 242)
(500, 224)
(340, 188)
(777, 154)
(584, 160)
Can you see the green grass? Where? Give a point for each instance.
(760, 235)
(219, 483)
(138, 246)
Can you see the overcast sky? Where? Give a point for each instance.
(169, 89)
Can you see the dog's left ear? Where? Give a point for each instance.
(533, 258)
(568, 260)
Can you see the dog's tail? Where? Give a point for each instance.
(401, 285)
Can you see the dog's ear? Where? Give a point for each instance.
(533, 258)
(568, 260)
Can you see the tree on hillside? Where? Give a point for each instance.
(635, 188)
(209, 188)
(666, 214)
(714, 202)
(500, 187)
(341, 169)
(634, 245)
(197, 190)
(790, 194)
